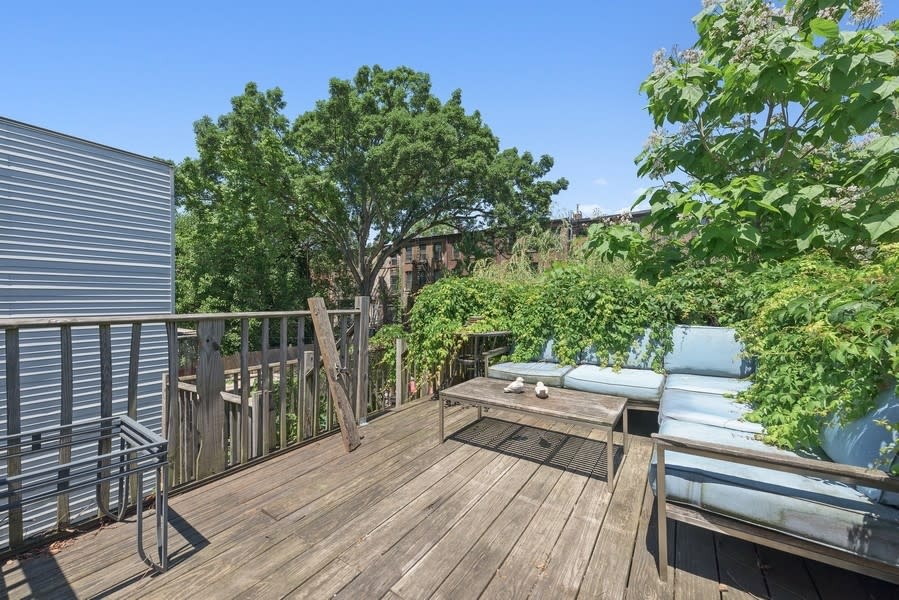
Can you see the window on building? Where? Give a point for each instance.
(409, 254)
(394, 260)
(394, 281)
(438, 250)
(408, 285)
(457, 254)
(422, 252)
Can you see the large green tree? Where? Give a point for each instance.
(238, 247)
(777, 133)
(384, 160)
(272, 209)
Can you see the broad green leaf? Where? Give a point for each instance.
(811, 192)
(887, 88)
(880, 225)
(824, 28)
(886, 57)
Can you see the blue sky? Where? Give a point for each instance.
(559, 78)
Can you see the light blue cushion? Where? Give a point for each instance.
(705, 384)
(714, 351)
(812, 509)
(548, 354)
(637, 357)
(859, 443)
(532, 372)
(637, 384)
(706, 409)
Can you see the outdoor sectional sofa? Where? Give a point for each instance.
(710, 467)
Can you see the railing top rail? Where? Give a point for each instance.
(57, 321)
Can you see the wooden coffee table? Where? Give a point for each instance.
(569, 406)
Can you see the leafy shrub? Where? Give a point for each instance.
(826, 335)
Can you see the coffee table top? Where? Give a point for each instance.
(587, 407)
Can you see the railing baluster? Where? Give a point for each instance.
(133, 375)
(316, 398)
(13, 427)
(66, 389)
(284, 381)
(173, 425)
(362, 303)
(244, 391)
(304, 422)
(264, 398)
(105, 443)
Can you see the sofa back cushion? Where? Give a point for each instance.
(714, 351)
(860, 442)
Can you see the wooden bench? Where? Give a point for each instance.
(569, 406)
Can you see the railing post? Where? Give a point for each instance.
(400, 346)
(13, 427)
(362, 305)
(283, 383)
(65, 418)
(172, 414)
(244, 390)
(105, 444)
(133, 375)
(263, 405)
(210, 415)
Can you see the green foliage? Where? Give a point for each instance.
(437, 322)
(382, 349)
(826, 335)
(781, 130)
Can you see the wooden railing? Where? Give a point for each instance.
(212, 421)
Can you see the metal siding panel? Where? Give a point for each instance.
(84, 229)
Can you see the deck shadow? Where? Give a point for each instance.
(573, 453)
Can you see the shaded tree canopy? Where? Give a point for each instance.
(347, 184)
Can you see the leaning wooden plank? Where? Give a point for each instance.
(324, 334)
(644, 583)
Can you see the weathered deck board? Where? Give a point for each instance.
(511, 508)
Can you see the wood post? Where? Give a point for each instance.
(325, 335)
(133, 375)
(244, 391)
(172, 412)
(105, 444)
(400, 380)
(66, 388)
(13, 427)
(210, 415)
(263, 404)
(362, 305)
(283, 384)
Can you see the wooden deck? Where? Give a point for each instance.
(503, 509)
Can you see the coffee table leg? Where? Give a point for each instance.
(480, 412)
(440, 419)
(626, 436)
(610, 450)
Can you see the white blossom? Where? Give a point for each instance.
(660, 63)
(867, 12)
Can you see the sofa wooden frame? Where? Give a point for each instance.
(762, 535)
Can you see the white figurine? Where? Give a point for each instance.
(541, 390)
(516, 387)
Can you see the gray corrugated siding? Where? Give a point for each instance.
(84, 230)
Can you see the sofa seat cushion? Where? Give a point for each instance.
(861, 442)
(700, 350)
(706, 409)
(637, 384)
(549, 373)
(705, 384)
(821, 511)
